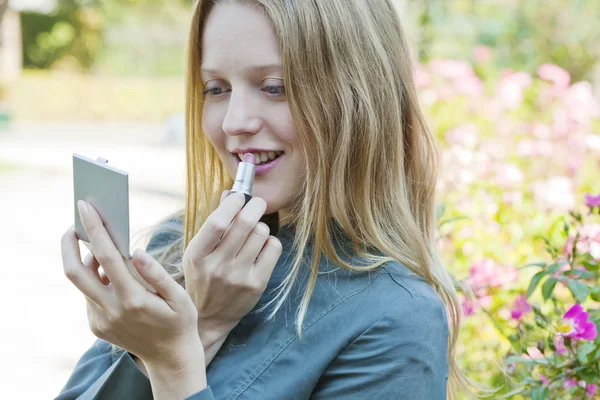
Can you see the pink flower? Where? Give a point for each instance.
(509, 175)
(545, 381)
(482, 54)
(580, 103)
(520, 307)
(571, 382)
(588, 242)
(592, 200)
(463, 135)
(469, 85)
(591, 390)
(510, 88)
(488, 273)
(451, 69)
(559, 344)
(534, 353)
(422, 77)
(575, 324)
(554, 74)
(468, 306)
(557, 193)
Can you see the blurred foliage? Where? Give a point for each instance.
(147, 37)
(107, 36)
(523, 34)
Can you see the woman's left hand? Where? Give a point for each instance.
(160, 329)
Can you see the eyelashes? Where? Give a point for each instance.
(276, 92)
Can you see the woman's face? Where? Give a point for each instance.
(245, 108)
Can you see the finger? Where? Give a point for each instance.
(105, 251)
(77, 273)
(268, 257)
(241, 227)
(215, 226)
(93, 265)
(154, 273)
(254, 244)
(224, 195)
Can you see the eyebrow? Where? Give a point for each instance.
(256, 68)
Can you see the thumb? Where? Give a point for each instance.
(156, 276)
(224, 195)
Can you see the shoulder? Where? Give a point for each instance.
(393, 297)
(408, 302)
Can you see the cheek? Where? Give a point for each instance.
(212, 126)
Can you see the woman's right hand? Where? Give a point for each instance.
(227, 266)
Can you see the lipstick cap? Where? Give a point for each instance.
(244, 178)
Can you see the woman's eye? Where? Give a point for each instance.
(214, 92)
(274, 90)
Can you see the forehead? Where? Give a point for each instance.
(236, 35)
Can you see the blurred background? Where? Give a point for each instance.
(511, 89)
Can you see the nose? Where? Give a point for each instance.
(242, 115)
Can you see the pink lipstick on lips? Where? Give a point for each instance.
(244, 178)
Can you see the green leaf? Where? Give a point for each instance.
(591, 266)
(583, 351)
(589, 375)
(548, 287)
(595, 294)
(540, 321)
(596, 355)
(534, 282)
(539, 393)
(578, 289)
(535, 264)
(512, 393)
(553, 268)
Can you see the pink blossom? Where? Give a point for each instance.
(469, 85)
(580, 103)
(509, 175)
(510, 94)
(592, 200)
(488, 273)
(571, 382)
(562, 125)
(520, 307)
(482, 54)
(591, 389)
(575, 324)
(422, 77)
(559, 344)
(557, 193)
(541, 131)
(545, 381)
(534, 352)
(466, 135)
(555, 74)
(468, 306)
(450, 69)
(588, 242)
(510, 88)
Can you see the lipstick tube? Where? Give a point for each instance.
(244, 179)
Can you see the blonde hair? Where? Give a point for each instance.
(371, 161)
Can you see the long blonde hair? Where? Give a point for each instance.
(371, 161)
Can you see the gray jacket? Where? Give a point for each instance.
(379, 335)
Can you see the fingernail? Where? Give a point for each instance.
(82, 207)
(144, 257)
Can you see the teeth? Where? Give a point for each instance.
(262, 156)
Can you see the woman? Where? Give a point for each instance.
(327, 284)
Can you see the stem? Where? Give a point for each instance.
(496, 324)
